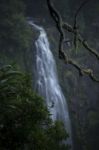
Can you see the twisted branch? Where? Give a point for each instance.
(63, 55)
(69, 28)
(58, 20)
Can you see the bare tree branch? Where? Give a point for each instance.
(69, 28)
(63, 55)
(58, 20)
(77, 12)
(75, 26)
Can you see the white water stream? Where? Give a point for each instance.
(47, 83)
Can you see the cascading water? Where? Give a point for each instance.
(47, 81)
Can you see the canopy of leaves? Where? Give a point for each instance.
(24, 119)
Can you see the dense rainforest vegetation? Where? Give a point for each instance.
(24, 119)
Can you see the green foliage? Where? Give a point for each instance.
(14, 31)
(24, 119)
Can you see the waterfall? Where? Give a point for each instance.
(47, 83)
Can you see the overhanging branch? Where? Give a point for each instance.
(63, 55)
